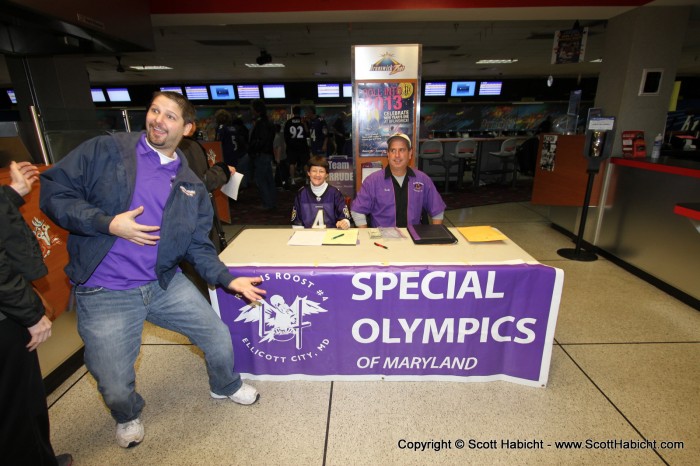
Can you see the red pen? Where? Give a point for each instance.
(380, 245)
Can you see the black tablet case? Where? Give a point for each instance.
(431, 234)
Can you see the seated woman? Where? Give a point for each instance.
(319, 205)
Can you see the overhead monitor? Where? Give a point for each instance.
(118, 94)
(11, 95)
(196, 92)
(328, 90)
(248, 91)
(98, 95)
(490, 87)
(463, 88)
(222, 92)
(177, 89)
(435, 89)
(273, 91)
(347, 90)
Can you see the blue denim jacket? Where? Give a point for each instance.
(85, 190)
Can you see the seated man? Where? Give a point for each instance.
(398, 195)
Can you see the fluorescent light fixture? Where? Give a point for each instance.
(266, 65)
(497, 61)
(150, 67)
(597, 60)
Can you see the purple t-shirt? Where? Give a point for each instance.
(128, 265)
(376, 198)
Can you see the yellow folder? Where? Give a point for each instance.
(481, 234)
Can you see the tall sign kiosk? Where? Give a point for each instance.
(385, 100)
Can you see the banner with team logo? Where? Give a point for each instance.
(463, 323)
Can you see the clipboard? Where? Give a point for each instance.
(431, 234)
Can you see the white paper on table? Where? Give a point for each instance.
(307, 237)
(231, 188)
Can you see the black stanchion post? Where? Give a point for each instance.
(599, 139)
(577, 253)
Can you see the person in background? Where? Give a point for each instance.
(296, 132)
(24, 423)
(398, 195)
(339, 134)
(134, 211)
(320, 205)
(280, 152)
(318, 132)
(234, 137)
(213, 178)
(261, 153)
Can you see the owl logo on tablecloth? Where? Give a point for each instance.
(278, 321)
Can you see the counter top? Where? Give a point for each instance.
(688, 209)
(671, 165)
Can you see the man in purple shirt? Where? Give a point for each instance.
(135, 211)
(398, 195)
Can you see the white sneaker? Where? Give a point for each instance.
(130, 434)
(246, 395)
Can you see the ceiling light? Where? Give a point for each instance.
(266, 65)
(497, 61)
(550, 81)
(597, 60)
(150, 67)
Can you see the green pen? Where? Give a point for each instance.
(336, 237)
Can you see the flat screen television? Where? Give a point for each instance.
(347, 90)
(328, 90)
(12, 96)
(248, 91)
(196, 92)
(177, 89)
(222, 92)
(435, 89)
(118, 94)
(490, 87)
(463, 88)
(98, 95)
(273, 91)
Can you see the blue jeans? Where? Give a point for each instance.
(111, 322)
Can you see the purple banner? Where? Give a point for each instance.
(480, 322)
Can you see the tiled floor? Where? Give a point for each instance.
(626, 366)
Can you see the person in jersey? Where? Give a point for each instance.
(399, 195)
(295, 133)
(320, 205)
(234, 142)
(318, 133)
